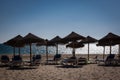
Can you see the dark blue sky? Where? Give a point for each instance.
(48, 18)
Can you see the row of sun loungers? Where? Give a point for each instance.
(36, 60)
(67, 61)
(17, 61)
(110, 60)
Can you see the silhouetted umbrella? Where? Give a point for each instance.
(31, 38)
(46, 43)
(109, 39)
(75, 45)
(16, 42)
(56, 40)
(119, 50)
(105, 44)
(72, 37)
(89, 40)
(118, 42)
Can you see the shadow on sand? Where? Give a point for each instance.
(3, 65)
(69, 66)
(109, 65)
(22, 68)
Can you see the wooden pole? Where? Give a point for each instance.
(56, 48)
(119, 51)
(13, 51)
(103, 52)
(110, 48)
(19, 50)
(47, 53)
(73, 50)
(30, 53)
(88, 51)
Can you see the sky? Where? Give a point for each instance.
(49, 18)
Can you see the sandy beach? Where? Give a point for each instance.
(80, 32)
(58, 72)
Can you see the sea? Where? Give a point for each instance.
(4, 49)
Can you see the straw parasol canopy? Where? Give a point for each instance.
(46, 43)
(16, 42)
(119, 46)
(75, 45)
(72, 37)
(109, 39)
(56, 40)
(89, 40)
(105, 44)
(31, 38)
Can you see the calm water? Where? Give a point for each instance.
(62, 49)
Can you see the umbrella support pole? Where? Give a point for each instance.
(19, 50)
(110, 48)
(73, 52)
(103, 52)
(56, 48)
(30, 53)
(88, 51)
(14, 51)
(47, 53)
(119, 52)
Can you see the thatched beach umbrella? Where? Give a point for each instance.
(75, 45)
(109, 39)
(16, 42)
(56, 40)
(46, 43)
(89, 40)
(31, 38)
(104, 47)
(73, 37)
(118, 42)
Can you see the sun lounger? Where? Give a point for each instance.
(82, 61)
(16, 61)
(36, 60)
(110, 60)
(55, 59)
(5, 59)
(69, 61)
